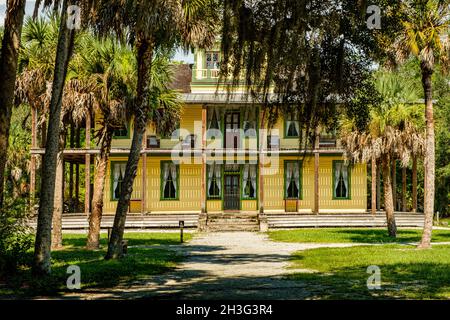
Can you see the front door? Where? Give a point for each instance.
(231, 195)
(232, 133)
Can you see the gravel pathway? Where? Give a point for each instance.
(223, 265)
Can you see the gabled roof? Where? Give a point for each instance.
(182, 77)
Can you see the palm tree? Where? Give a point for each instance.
(79, 100)
(391, 133)
(425, 35)
(110, 66)
(398, 88)
(36, 64)
(8, 69)
(152, 26)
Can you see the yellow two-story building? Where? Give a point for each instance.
(221, 160)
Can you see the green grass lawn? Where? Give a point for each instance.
(406, 273)
(147, 258)
(443, 222)
(363, 235)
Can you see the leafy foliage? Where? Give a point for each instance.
(394, 126)
(15, 237)
(312, 54)
(18, 160)
(443, 156)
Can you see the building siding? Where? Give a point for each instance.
(190, 192)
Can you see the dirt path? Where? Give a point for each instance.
(228, 265)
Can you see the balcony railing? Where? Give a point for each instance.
(214, 74)
(327, 141)
(201, 74)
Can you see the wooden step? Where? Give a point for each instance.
(232, 220)
(232, 227)
(217, 222)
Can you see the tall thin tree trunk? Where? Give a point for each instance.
(394, 183)
(42, 263)
(404, 189)
(93, 241)
(414, 184)
(144, 59)
(77, 172)
(59, 196)
(72, 145)
(429, 159)
(388, 199)
(8, 70)
(378, 188)
(44, 133)
(374, 186)
(59, 201)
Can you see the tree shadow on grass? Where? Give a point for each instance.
(381, 236)
(406, 273)
(378, 235)
(79, 240)
(95, 271)
(398, 281)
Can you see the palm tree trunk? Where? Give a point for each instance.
(8, 70)
(404, 189)
(41, 263)
(388, 199)
(378, 188)
(414, 184)
(374, 186)
(59, 196)
(59, 201)
(93, 241)
(43, 133)
(394, 184)
(144, 59)
(429, 159)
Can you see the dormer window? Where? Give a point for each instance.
(212, 60)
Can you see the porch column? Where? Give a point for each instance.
(33, 157)
(144, 176)
(316, 171)
(87, 195)
(203, 217)
(262, 217)
(374, 186)
(203, 185)
(261, 161)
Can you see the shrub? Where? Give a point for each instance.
(15, 236)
